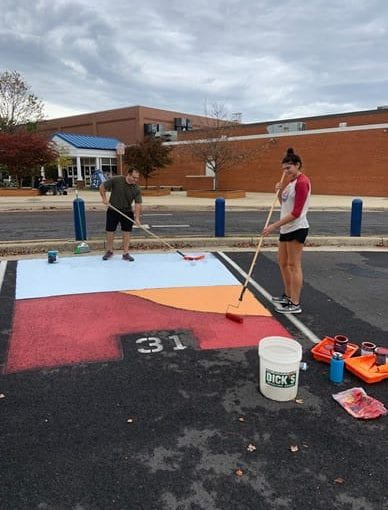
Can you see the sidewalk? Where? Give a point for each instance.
(178, 200)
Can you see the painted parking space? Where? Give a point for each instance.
(77, 308)
(170, 425)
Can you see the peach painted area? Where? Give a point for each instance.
(205, 299)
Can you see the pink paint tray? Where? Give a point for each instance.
(323, 351)
(366, 369)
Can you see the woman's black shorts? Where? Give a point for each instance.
(297, 235)
(113, 218)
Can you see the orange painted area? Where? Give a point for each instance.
(205, 299)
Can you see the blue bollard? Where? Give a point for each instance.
(220, 217)
(355, 222)
(79, 219)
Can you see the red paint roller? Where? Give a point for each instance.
(235, 317)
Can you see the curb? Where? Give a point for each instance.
(212, 243)
(174, 207)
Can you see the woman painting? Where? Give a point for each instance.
(294, 197)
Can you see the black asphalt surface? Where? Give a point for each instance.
(169, 430)
(60, 224)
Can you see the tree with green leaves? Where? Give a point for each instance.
(148, 156)
(18, 106)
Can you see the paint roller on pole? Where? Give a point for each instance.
(185, 257)
(235, 317)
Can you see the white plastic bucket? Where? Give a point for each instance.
(279, 367)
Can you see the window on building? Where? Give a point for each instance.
(109, 166)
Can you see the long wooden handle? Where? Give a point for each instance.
(260, 241)
(143, 228)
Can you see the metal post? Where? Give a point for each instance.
(79, 218)
(220, 217)
(356, 217)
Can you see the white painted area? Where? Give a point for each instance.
(296, 322)
(86, 274)
(3, 267)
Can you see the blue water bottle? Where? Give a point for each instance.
(336, 372)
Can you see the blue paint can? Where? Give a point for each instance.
(52, 256)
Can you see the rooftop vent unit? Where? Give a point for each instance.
(286, 127)
(153, 129)
(342, 124)
(169, 136)
(183, 124)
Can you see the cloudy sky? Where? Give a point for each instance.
(264, 58)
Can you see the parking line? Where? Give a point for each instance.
(3, 266)
(147, 226)
(170, 226)
(296, 322)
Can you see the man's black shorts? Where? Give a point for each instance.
(113, 218)
(297, 235)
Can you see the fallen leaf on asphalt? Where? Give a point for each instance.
(241, 419)
(299, 401)
(239, 472)
(339, 480)
(294, 448)
(130, 420)
(251, 448)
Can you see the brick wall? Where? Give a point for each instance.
(341, 163)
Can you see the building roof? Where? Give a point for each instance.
(89, 142)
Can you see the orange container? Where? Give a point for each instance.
(366, 369)
(324, 349)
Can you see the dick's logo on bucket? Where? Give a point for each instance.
(280, 379)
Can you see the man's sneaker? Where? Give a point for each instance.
(280, 300)
(107, 255)
(127, 256)
(289, 308)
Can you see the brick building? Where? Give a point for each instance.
(345, 154)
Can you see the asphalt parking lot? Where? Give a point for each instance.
(189, 429)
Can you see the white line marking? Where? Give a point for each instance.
(169, 226)
(3, 266)
(146, 226)
(157, 214)
(296, 322)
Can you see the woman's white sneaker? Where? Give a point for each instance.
(289, 308)
(280, 300)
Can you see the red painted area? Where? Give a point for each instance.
(63, 330)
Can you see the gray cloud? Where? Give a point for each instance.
(268, 60)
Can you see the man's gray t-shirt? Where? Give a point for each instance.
(122, 193)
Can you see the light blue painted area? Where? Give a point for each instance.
(85, 274)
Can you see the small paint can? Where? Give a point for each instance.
(367, 348)
(340, 343)
(381, 355)
(52, 256)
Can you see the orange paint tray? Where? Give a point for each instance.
(366, 369)
(323, 350)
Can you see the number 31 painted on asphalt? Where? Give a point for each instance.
(154, 344)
